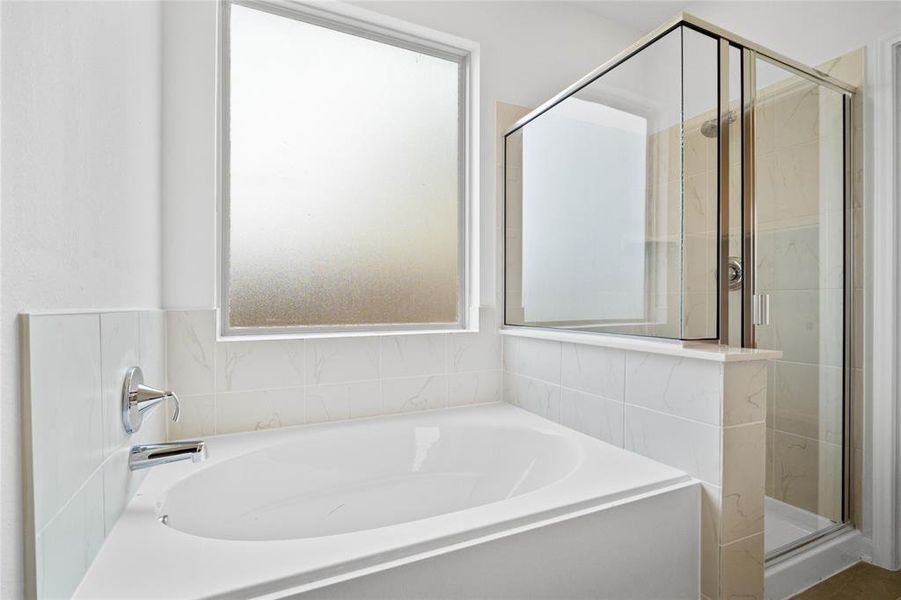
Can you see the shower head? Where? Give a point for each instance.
(709, 127)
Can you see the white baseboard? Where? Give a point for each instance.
(819, 561)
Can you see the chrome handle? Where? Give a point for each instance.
(138, 398)
(145, 398)
(761, 307)
(177, 407)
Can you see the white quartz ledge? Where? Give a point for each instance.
(699, 350)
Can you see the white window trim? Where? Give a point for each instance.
(374, 26)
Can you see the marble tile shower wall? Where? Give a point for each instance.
(702, 416)
(232, 386)
(681, 228)
(76, 450)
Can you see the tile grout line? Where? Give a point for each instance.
(103, 434)
(804, 437)
(624, 389)
(741, 539)
(215, 376)
(738, 425)
(660, 412)
(352, 381)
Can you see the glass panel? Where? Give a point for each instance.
(344, 178)
(799, 163)
(594, 219)
(700, 216)
(736, 258)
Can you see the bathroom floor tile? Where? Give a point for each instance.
(862, 580)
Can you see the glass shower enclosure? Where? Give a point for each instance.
(698, 187)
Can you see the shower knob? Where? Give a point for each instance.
(736, 273)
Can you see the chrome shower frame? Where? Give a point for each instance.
(750, 53)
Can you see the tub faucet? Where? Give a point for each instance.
(137, 399)
(151, 455)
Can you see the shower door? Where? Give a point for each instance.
(800, 231)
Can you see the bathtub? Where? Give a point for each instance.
(477, 502)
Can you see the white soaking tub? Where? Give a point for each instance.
(479, 502)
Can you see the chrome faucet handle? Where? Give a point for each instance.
(177, 411)
(138, 398)
(146, 397)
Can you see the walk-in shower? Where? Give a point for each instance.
(692, 154)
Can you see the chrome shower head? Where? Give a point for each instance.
(709, 127)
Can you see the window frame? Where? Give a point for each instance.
(414, 40)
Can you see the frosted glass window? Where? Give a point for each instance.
(344, 164)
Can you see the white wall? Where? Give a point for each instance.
(529, 51)
(809, 32)
(189, 154)
(80, 118)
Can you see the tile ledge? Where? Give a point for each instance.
(270, 337)
(698, 350)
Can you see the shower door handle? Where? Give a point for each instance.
(761, 314)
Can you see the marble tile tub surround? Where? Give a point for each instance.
(77, 480)
(245, 385)
(706, 416)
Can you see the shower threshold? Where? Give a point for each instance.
(786, 525)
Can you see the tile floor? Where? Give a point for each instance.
(863, 581)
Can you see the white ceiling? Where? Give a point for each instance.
(643, 16)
